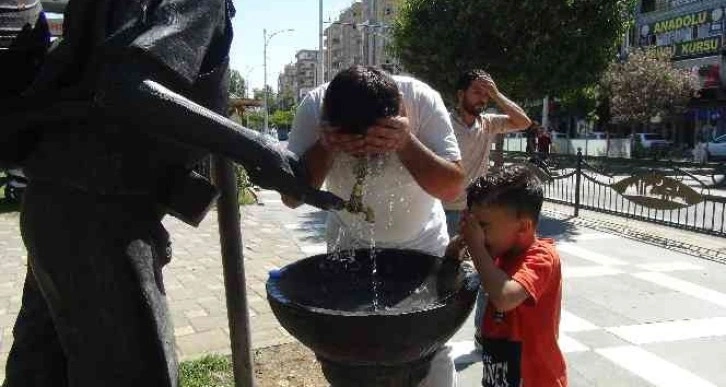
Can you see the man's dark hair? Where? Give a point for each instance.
(359, 96)
(469, 77)
(515, 187)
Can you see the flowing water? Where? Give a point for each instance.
(363, 230)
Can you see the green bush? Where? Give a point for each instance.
(246, 193)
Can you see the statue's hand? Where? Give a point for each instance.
(284, 172)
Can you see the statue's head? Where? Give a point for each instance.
(359, 96)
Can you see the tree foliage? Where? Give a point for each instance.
(646, 85)
(282, 118)
(532, 48)
(237, 84)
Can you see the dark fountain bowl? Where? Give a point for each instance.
(328, 304)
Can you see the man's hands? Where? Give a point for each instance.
(491, 87)
(336, 142)
(387, 135)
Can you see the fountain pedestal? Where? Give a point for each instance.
(328, 305)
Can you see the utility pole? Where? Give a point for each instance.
(264, 65)
(264, 84)
(321, 60)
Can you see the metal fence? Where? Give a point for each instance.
(684, 195)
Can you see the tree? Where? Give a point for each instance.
(285, 100)
(259, 94)
(282, 119)
(532, 48)
(237, 84)
(253, 119)
(646, 85)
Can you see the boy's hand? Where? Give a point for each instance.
(455, 249)
(472, 232)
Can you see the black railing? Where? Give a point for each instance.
(684, 195)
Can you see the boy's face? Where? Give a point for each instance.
(501, 226)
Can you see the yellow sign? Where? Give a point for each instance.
(698, 47)
(679, 22)
(694, 48)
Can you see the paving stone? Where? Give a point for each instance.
(206, 323)
(183, 330)
(212, 341)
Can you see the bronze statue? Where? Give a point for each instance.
(121, 109)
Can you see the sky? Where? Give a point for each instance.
(255, 15)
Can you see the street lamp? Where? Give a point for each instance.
(264, 64)
(249, 71)
(321, 62)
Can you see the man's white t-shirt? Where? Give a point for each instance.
(476, 144)
(405, 215)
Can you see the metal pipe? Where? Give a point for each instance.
(230, 240)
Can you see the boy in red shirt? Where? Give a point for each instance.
(522, 275)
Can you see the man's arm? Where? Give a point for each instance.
(440, 178)
(517, 118)
(318, 160)
(437, 176)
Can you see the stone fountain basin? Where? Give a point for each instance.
(328, 305)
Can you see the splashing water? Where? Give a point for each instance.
(357, 230)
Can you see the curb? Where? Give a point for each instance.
(640, 236)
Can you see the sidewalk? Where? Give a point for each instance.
(274, 236)
(687, 242)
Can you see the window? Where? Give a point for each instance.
(647, 6)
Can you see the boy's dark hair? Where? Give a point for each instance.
(359, 96)
(467, 78)
(514, 187)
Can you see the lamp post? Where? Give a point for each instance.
(321, 61)
(264, 64)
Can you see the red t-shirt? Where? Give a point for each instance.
(536, 322)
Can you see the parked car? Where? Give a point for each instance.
(712, 150)
(651, 141)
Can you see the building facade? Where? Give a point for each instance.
(362, 35)
(380, 16)
(286, 83)
(344, 40)
(306, 73)
(692, 33)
